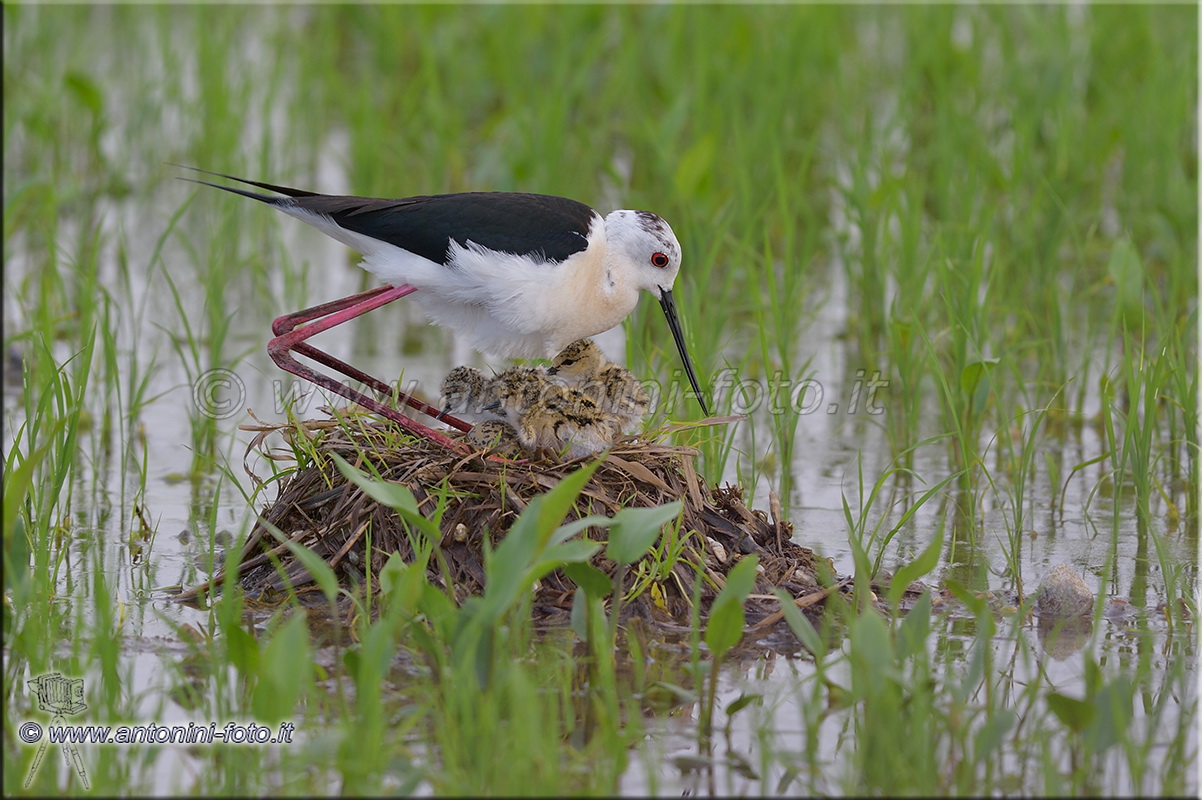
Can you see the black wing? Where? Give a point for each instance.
(550, 228)
(543, 226)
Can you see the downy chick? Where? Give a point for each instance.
(465, 392)
(551, 416)
(581, 365)
(496, 437)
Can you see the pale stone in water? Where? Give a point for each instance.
(1064, 594)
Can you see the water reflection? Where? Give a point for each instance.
(1061, 637)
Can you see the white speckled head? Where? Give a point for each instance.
(464, 390)
(649, 245)
(578, 361)
(517, 390)
(653, 254)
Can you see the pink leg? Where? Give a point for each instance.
(309, 351)
(288, 322)
(327, 315)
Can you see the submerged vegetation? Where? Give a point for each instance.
(943, 259)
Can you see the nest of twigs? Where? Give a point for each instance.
(318, 507)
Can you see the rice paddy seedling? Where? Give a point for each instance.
(1018, 450)
(1182, 394)
(723, 630)
(51, 434)
(1133, 408)
(905, 406)
(869, 544)
(964, 389)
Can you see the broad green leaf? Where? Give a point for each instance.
(392, 573)
(537, 543)
(593, 581)
(742, 701)
(514, 566)
(508, 566)
(588, 616)
(403, 584)
(801, 627)
(283, 672)
(990, 736)
(376, 650)
(579, 616)
(927, 560)
(740, 580)
(974, 382)
(437, 607)
(1094, 679)
(1076, 714)
(1113, 703)
(914, 629)
(1126, 269)
(635, 530)
(85, 90)
(569, 529)
(243, 650)
(871, 646)
(724, 628)
(553, 506)
(393, 495)
(553, 558)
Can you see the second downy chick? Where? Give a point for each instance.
(465, 391)
(582, 366)
(496, 437)
(547, 415)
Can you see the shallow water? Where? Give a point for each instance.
(1092, 531)
(1113, 558)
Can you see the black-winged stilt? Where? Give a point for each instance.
(516, 274)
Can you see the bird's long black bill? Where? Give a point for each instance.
(669, 306)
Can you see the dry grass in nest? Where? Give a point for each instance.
(319, 508)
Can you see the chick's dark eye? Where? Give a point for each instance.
(659, 260)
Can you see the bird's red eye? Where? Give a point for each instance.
(659, 260)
